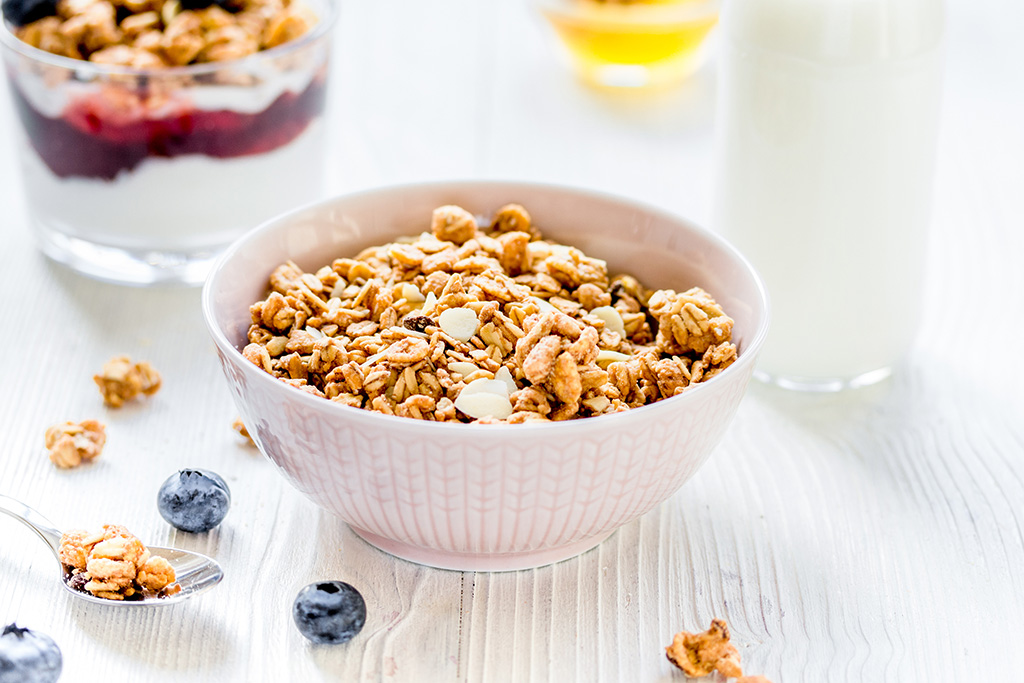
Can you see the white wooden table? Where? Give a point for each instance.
(874, 536)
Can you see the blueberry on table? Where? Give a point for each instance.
(329, 612)
(23, 12)
(27, 656)
(194, 500)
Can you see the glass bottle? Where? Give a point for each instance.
(827, 125)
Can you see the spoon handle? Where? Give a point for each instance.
(33, 520)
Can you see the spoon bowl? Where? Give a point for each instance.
(194, 573)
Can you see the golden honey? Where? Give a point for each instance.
(633, 44)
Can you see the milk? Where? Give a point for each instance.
(828, 117)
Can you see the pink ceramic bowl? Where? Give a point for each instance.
(485, 497)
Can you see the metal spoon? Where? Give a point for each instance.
(195, 573)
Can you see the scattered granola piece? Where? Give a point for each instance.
(702, 653)
(72, 443)
(752, 679)
(122, 380)
(113, 564)
(239, 427)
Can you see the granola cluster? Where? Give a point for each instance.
(122, 380)
(112, 563)
(490, 324)
(701, 654)
(72, 443)
(154, 34)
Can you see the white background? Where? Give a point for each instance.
(867, 537)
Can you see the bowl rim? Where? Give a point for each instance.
(743, 361)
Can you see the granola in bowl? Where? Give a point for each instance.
(486, 322)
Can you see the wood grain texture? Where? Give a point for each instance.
(874, 536)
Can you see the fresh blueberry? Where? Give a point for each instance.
(22, 12)
(194, 500)
(329, 612)
(27, 656)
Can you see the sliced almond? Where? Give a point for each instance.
(459, 323)
(604, 357)
(462, 367)
(611, 319)
(484, 404)
(489, 386)
(504, 375)
(411, 293)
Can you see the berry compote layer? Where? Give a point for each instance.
(99, 137)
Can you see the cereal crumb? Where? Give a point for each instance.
(702, 653)
(122, 380)
(72, 443)
(113, 564)
(239, 427)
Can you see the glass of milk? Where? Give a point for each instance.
(828, 119)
